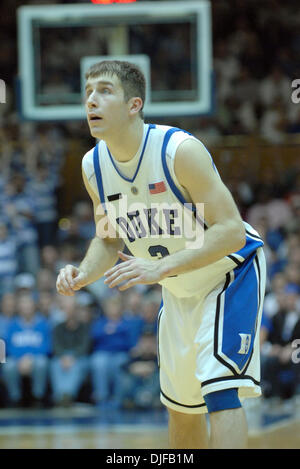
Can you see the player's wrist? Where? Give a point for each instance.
(164, 267)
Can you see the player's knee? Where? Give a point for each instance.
(182, 418)
(222, 400)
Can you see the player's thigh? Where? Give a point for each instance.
(177, 355)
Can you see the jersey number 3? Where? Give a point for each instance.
(158, 251)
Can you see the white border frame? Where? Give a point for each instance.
(26, 14)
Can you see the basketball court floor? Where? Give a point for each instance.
(86, 427)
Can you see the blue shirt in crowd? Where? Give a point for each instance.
(111, 336)
(136, 326)
(28, 338)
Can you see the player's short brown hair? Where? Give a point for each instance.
(130, 76)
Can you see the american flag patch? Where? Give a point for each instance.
(157, 187)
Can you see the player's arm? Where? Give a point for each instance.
(103, 250)
(101, 255)
(226, 232)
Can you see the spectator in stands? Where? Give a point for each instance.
(276, 87)
(28, 346)
(41, 187)
(151, 306)
(68, 253)
(111, 343)
(69, 235)
(253, 56)
(289, 246)
(274, 122)
(7, 311)
(227, 68)
(207, 129)
(46, 280)
(293, 126)
(271, 304)
(280, 375)
(48, 308)
(49, 258)
(276, 210)
(71, 346)
(140, 381)
(88, 307)
(25, 283)
(85, 218)
(293, 225)
(292, 274)
(133, 300)
(19, 207)
(8, 259)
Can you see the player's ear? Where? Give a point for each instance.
(135, 105)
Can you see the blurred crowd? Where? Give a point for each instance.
(76, 348)
(98, 346)
(256, 46)
(61, 346)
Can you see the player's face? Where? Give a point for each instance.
(105, 106)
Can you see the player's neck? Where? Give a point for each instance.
(127, 143)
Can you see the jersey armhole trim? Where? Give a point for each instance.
(170, 181)
(96, 161)
(168, 176)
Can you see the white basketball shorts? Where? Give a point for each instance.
(211, 343)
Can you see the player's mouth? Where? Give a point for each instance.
(94, 118)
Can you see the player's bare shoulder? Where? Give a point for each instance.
(193, 162)
(87, 164)
(88, 176)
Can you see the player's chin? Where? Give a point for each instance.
(95, 132)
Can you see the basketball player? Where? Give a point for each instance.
(208, 335)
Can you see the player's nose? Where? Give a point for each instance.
(91, 101)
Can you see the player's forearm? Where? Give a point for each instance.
(219, 241)
(101, 256)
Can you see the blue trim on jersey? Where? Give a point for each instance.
(158, 324)
(171, 183)
(250, 247)
(168, 135)
(151, 126)
(222, 400)
(96, 159)
(241, 303)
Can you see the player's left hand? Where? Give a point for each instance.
(133, 271)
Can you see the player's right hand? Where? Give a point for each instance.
(70, 279)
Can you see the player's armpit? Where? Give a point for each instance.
(195, 172)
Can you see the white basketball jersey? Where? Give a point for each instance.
(151, 212)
